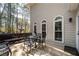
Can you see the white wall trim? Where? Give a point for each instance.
(77, 32)
(62, 29)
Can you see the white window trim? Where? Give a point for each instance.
(62, 29)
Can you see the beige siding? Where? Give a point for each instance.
(70, 30)
(48, 11)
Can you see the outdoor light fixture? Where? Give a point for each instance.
(70, 19)
(35, 23)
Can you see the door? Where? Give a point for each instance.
(35, 31)
(43, 30)
(77, 33)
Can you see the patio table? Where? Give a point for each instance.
(32, 39)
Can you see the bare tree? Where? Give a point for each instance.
(1, 13)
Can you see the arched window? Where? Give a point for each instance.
(44, 21)
(58, 28)
(57, 18)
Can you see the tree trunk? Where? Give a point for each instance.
(9, 18)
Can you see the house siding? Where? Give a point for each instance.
(70, 30)
(49, 11)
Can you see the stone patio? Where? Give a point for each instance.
(20, 50)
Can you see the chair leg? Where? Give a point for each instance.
(45, 44)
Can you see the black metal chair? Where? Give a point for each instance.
(39, 39)
(44, 39)
(29, 43)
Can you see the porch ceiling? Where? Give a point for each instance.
(30, 4)
(72, 7)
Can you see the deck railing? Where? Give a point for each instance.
(10, 36)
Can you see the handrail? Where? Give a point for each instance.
(13, 39)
